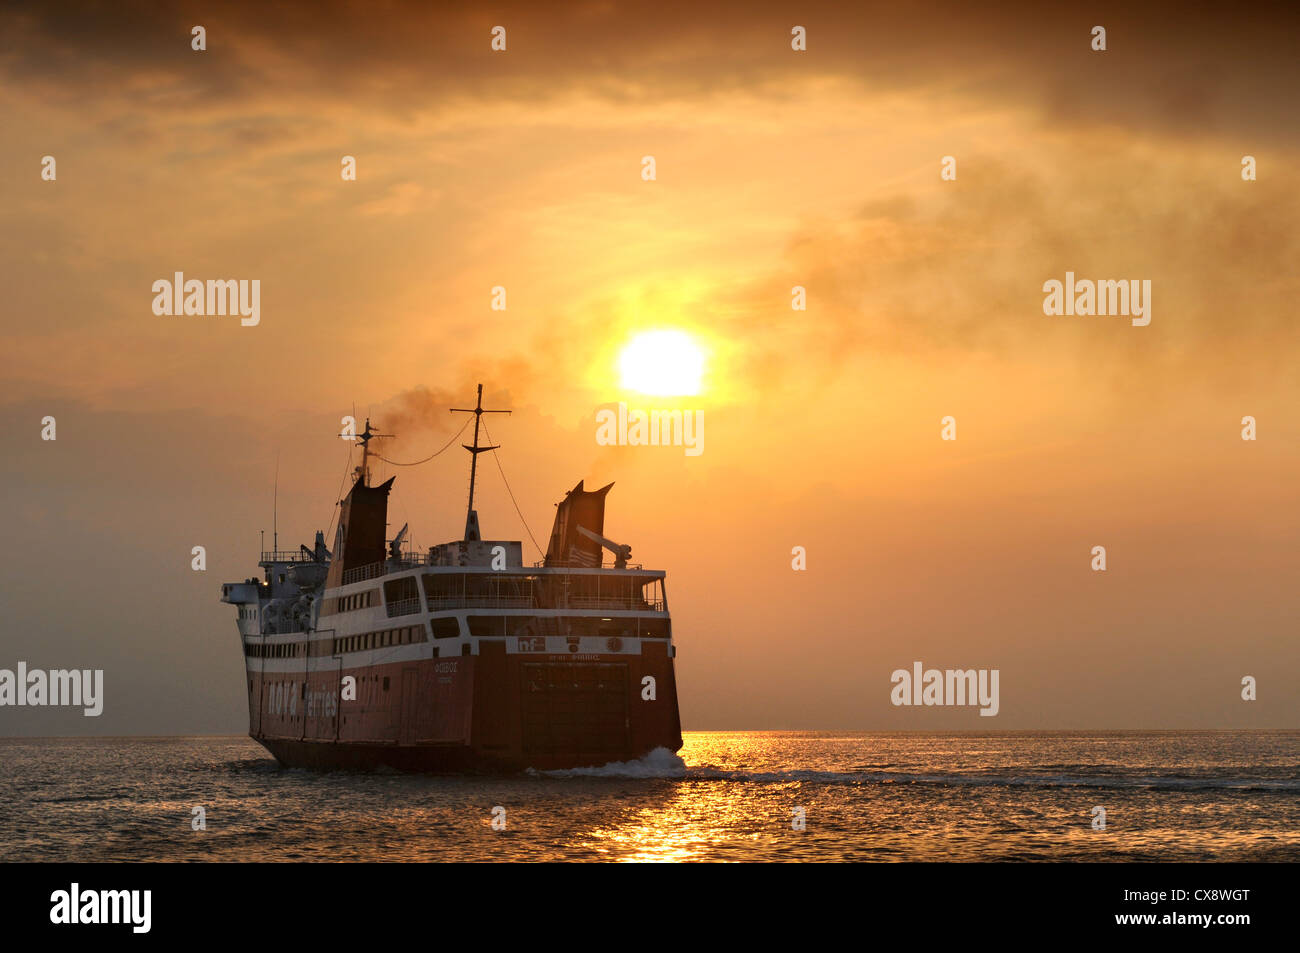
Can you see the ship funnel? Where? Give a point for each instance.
(581, 509)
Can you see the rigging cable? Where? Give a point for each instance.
(430, 456)
(339, 496)
(512, 495)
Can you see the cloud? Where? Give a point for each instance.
(1168, 67)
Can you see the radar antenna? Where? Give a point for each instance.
(471, 518)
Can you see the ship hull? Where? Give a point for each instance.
(491, 712)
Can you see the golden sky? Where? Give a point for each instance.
(774, 169)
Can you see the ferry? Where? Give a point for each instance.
(371, 656)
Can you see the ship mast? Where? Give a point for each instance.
(471, 518)
(363, 471)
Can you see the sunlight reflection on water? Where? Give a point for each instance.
(730, 796)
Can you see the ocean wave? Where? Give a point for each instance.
(711, 773)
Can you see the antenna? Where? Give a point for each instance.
(471, 518)
(363, 471)
(275, 509)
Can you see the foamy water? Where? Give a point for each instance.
(727, 796)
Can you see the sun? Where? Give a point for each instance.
(663, 363)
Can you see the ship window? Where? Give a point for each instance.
(385, 683)
(445, 628)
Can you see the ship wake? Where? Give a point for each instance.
(659, 763)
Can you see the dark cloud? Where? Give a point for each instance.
(1168, 68)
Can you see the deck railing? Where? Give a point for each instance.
(375, 570)
(286, 556)
(403, 607)
(607, 564)
(438, 603)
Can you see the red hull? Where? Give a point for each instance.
(494, 712)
